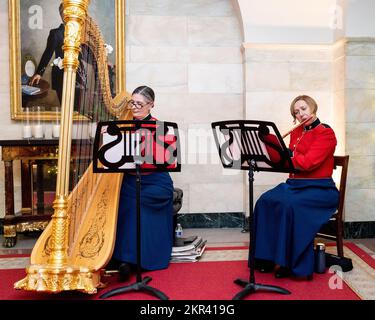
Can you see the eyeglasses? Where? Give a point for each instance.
(136, 104)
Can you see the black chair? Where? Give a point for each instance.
(334, 229)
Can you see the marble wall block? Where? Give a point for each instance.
(218, 32)
(275, 105)
(159, 54)
(156, 31)
(360, 72)
(339, 121)
(215, 78)
(360, 129)
(225, 55)
(13, 128)
(339, 67)
(168, 106)
(360, 105)
(339, 104)
(216, 197)
(339, 49)
(199, 145)
(267, 76)
(203, 8)
(361, 172)
(4, 61)
(206, 173)
(360, 139)
(166, 77)
(282, 52)
(359, 205)
(127, 55)
(4, 80)
(204, 108)
(360, 48)
(192, 58)
(312, 75)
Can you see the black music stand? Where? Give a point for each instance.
(243, 145)
(136, 140)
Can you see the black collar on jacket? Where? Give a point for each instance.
(146, 118)
(313, 125)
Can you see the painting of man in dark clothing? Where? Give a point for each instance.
(54, 45)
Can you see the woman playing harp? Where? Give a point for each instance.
(156, 207)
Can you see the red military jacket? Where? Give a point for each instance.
(162, 147)
(313, 147)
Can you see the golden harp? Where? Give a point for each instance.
(80, 238)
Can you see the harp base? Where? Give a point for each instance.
(54, 279)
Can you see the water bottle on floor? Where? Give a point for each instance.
(179, 241)
(320, 258)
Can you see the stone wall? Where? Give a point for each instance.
(360, 128)
(190, 54)
(211, 60)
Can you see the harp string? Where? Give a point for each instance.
(91, 106)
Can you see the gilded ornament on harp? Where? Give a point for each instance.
(75, 12)
(47, 247)
(72, 33)
(92, 242)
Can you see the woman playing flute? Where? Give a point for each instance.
(288, 216)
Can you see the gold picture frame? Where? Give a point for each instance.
(18, 61)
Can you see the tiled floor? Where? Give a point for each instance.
(215, 237)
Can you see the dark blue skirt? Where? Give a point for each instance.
(287, 218)
(156, 221)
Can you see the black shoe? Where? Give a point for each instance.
(113, 264)
(282, 272)
(124, 271)
(264, 266)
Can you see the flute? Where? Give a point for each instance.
(297, 126)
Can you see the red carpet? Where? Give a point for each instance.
(362, 254)
(14, 255)
(194, 281)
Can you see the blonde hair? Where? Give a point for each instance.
(310, 101)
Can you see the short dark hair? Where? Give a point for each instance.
(145, 91)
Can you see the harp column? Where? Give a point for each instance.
(74, 17)
(58, 274)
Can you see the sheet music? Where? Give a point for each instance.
(117, 152)
(241, 141)
(120, 145)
